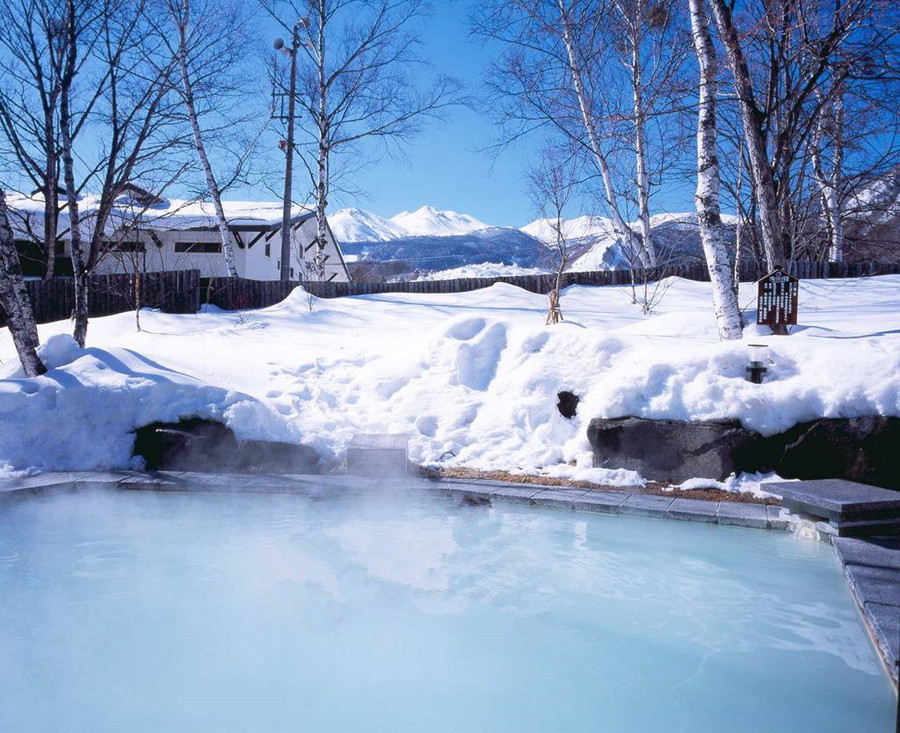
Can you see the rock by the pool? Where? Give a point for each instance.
(866, 450)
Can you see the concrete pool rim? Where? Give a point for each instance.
(871, 567)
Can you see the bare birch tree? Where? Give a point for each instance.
(14, 299)
(31, 48)
(780, 59)
(181, 13)
(552, 185)
(355, 85)
(712, 234)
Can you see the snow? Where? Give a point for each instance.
(472, 378)
(170, 214)
(356, 225)
(429, 221)
(485, 269)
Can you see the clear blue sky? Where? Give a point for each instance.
(446, 167)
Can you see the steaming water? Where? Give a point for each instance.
(133, 612)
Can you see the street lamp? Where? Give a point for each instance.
(291, 51)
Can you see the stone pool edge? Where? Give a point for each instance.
(867, 565)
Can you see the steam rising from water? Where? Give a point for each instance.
(145, 611)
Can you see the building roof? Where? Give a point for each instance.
(26, 214)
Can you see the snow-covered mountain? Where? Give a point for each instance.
(430, 222)
(430, 240)
(356, 225)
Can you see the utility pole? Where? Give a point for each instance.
(289, 148)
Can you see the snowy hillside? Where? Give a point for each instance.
(356, 225)
(472, 378)
(432, 253)
(430, 222)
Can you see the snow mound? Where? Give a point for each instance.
(81, 414)
(473, 378)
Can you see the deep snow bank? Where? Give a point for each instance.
(473, 378)
(81, 413)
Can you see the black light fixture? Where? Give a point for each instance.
(759, 360)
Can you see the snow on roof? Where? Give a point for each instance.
(26, 213)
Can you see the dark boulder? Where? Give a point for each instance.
(863, 449)
(210, 447)
(866, 450)
(670, 450)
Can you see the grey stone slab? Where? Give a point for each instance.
(884, 621)
(558, 497)
(38, 481)
(645, 505)
(601, 501)
(874, 585)
(478, 490)
(514, 494)
(837, 499)
(696, 510)
(739, 514)
(879, 553)
(778, 517)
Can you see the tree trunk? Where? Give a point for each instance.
(14, 299)
(829, 183)
(640, 149)
(322, 173)
(211, 185)
(78, 260)
(752, 119)
(51, 209)
(632, 246)
(712, 233)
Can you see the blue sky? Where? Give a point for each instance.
(445, 166)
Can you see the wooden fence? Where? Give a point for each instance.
(185, 291)
(172, 292)
(237, 294)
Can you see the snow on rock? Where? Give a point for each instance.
(81, 413)
(472, 378)
(429, 221)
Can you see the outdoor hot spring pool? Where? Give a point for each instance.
(139, 611)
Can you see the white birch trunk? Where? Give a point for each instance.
(642, 178)
(621, 227)
(188, 91)
(829, 183)
(79, 267)
(322, 172)
(14, 299)
(760, 169)
(712, 233)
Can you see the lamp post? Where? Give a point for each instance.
(759, 359)
(285, 270)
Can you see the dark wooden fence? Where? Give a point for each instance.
(172, 292)
(237, 294)
(185, 291)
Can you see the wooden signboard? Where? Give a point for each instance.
(777, 301)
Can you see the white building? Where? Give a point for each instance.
(148, 234)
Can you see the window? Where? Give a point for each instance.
(198, 248)
(125, 246)
(268, 249)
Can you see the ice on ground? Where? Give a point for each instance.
(472, 378)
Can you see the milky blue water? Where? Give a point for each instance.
(133, 612)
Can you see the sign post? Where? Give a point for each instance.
(776, 305)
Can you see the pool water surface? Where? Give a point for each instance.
(139, 611)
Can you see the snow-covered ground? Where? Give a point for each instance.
(484, 269)
(472, 378)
